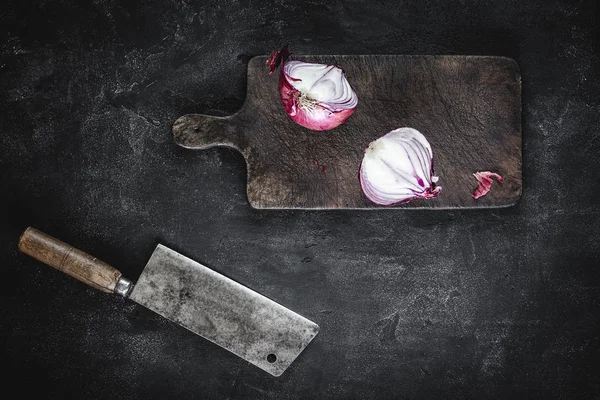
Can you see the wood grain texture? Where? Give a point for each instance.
(69, 260)
(468, 107)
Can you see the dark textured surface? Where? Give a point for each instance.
(411, 304)
(469, 109)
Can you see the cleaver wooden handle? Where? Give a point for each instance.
(72, 261)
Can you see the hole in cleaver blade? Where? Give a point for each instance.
(221, 310)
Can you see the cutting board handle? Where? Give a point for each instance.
(198, 131)
(73, 262)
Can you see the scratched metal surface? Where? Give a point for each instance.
(221, 310)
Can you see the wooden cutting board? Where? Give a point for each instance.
(468, 108)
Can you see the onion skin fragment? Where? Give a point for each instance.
(485, 182)
(276, 58)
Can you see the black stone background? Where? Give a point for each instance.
(412, 304)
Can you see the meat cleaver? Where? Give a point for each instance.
(207, 303)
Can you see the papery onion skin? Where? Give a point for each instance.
(397, 168)
(310, 110)
(485, 182)
(276, 58)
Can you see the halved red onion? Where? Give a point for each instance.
(316, 96)
(485, 182)
(398, 167)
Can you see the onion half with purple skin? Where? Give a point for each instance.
(397, 168)
(316, 96)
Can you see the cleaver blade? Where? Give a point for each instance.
(198, 298)
(221, 310)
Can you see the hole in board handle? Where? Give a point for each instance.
(271, 358)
